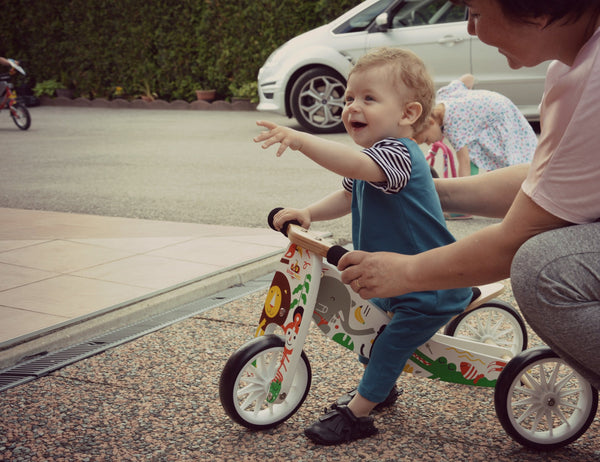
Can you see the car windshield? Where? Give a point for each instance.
(363, 19)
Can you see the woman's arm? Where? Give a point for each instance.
(487, 195)
(480, 258)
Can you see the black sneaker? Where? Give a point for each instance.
(340, 425)
(391, 399)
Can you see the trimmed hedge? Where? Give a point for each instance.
(163, 47)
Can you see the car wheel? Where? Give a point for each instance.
(317, 100)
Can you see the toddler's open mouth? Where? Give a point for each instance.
(358, 124)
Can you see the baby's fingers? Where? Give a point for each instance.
(282, 147)
(263, 136)
(266, 124)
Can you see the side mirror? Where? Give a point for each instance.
(381, 22)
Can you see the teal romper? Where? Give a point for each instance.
(401, 215)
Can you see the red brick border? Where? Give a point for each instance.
(218, 105)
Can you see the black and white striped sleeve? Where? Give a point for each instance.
(348, 184)
(394, 159)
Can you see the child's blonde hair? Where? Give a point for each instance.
(437, 114)
(407, 70)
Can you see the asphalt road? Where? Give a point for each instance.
(173, 165)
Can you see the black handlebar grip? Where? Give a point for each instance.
(334, 254)
(271, 216)
(284, 228)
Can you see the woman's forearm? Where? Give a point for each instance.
(479, 258)
(489, 195)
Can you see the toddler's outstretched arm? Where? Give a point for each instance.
(336, 157)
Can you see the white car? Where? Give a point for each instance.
(306, 77)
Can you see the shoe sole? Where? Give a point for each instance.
(317, 440)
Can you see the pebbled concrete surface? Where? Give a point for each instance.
(156, 399)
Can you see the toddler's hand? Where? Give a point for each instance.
(289, 214)
(286, 137)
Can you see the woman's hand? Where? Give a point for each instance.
(378, 274)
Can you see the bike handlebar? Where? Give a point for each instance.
(284, 228)
(14, 65)
(300, 236)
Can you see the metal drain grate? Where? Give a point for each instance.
(43, 365)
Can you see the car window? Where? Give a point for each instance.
(363, 19)
(428, 12)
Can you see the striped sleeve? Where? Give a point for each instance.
(347, 184)
(394, 159)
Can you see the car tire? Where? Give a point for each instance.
(317, 100)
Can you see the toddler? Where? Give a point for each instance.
(389, 190)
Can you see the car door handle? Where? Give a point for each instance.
(450, 39)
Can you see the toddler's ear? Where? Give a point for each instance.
(412, 111)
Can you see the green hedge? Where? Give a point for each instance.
(168, 48)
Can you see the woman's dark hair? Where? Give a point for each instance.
(557, 10)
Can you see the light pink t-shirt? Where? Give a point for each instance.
(564, 178)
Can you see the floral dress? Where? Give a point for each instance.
(491, 127)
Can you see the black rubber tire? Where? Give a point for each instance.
(241, 398)
(317, 100)
(23, 120)
(520, 398)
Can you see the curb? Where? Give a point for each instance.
(218, 105)
(78, 330)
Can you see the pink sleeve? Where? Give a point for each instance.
(564, 178)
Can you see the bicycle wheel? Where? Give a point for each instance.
(245, 382)
(492, 322)
(541, 402)
(20, 115)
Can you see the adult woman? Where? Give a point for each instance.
(556, 274)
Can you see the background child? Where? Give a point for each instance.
(485, 128)
(4, 62)
(389, 190)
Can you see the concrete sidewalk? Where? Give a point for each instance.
(66, 276)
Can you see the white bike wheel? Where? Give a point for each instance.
(494, 322)
(246, 379)
(541, 402)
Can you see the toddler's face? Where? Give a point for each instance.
(374, 108)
